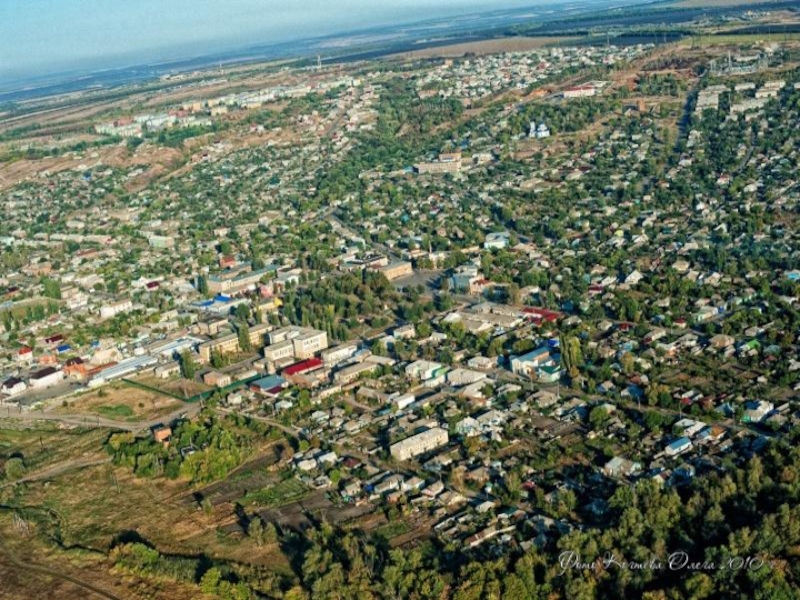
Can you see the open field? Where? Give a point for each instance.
(718, 3)
(19, 309)
(49, 444)
(73, 519)
(31, 567)
(122, 402)
(509, 44)
(281, 493)
(735, 40)
(175, 385)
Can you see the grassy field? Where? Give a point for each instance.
(177, 386)
(393, 529)
(122, 402)
(47, 444)
(117, 411)
(74, 518)
(19, 310)
(282, 493)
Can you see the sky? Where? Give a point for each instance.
(40, 37)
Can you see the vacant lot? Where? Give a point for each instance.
(510, 44)
(122, 402)
(176, 385)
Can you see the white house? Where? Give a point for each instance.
(12, 386)
(497, 240)
(46, 377)
(422, 369)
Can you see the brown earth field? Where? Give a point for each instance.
(87, 510)
(509, 44)
(121, 401)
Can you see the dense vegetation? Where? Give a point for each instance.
(739, 530)
(204, 449)
(406, 128)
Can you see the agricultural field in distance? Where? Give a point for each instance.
(494, 46)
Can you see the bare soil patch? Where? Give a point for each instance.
(509, 44)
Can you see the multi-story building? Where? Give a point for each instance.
(227, 344)
(258, 335)
(420, 443)
(396, 270)
(237, 280)
(350, 373)
(280, 351)
(305, 342)
(337, 354)
(112, 310)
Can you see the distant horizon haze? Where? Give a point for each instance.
(48, 37)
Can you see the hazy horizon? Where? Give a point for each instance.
(48, 37)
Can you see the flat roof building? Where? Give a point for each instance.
(420, 443)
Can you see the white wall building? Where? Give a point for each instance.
(419, 444)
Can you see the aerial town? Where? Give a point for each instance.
(461, 314)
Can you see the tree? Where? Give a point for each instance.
(255, 531)
(571, 355)
(424, 330)
(202, 285)
(244, 337)
(217, 359)
(627, 362)
(514, 296)
(242, 311)
(188, 366)
(598, 416)
(52, 288)
(653, 420)
(15, 468)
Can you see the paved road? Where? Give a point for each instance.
(11, 414)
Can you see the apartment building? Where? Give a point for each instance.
(337, 354)
(396, 270)
(280, 351)
(419, 444)
(305, 342)
(227, 344)
(112, 310)
(350, 373)
(237, 280)
(258, 335)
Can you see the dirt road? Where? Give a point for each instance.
(9, 414)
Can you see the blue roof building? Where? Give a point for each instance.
(678, 446)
